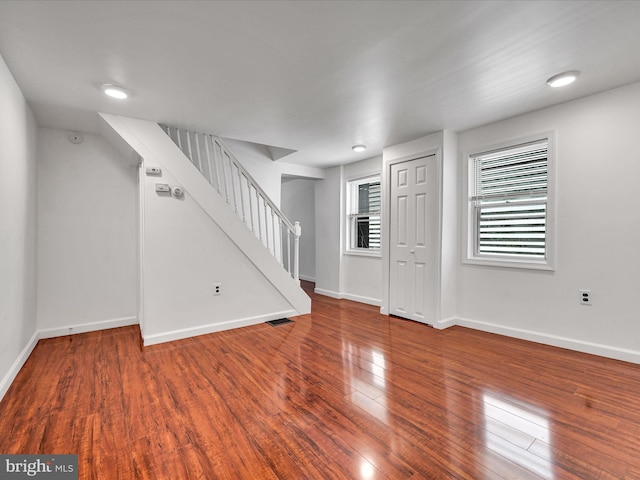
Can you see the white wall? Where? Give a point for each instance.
(257, 160)
(86, 234)
(328, 203)
(449, 244)
(185, 253)
(18, 132)
(597, 233)
(338, 274)
(298, 204)
(361, 275)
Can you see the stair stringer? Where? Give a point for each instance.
(149, 141)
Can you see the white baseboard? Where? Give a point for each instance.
(212, 328)
(308, 279)
(360, 299)
(17, 365)
(592, 348)
(327, 293)
(87, 327)
(348, 296)
(445, 323)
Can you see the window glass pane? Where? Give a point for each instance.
(362, 229)
(363, 198)
(364, 213)
(517, 171)
(509, 201)
(368, 198)
(512, 230)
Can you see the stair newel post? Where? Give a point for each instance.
(296, 250)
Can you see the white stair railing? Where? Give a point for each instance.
(224, 172)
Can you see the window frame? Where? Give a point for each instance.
(471, 234)
(351, 206)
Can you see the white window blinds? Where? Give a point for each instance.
(364, 215)
(509, 200)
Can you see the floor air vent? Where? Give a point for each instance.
(280, 321)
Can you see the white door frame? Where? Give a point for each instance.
(140, 244)
(386, 223)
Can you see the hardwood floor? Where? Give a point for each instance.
(341, 393)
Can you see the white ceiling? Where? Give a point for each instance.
(314, 76)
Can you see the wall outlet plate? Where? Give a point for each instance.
(154, 171)
(162, 188)
(584, 297)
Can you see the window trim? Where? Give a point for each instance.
(350, 185)
(469, 234)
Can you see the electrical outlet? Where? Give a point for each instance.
(217, 289)
(584, 297)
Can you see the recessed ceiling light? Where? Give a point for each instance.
(115, 91)
(359, 148)
(563, 79)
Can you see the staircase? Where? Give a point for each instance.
(223, 228)
(242, 193)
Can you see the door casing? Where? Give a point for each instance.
(434, 154)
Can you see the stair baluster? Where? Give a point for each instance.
(216, 163)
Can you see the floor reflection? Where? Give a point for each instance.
(366, 470)
(379, 369)
(519, 433)
(365, 372)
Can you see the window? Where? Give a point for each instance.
(509, 204)
(363, 215)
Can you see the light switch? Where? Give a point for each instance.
(162, 188)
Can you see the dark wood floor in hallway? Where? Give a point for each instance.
(341, 393)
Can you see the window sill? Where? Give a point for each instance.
(364, 253)
(508, 263)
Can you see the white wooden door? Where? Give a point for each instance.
(412, 239)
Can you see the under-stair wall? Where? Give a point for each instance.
(192, 242)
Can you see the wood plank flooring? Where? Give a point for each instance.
(342, 393)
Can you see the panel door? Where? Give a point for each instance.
(412, 276)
